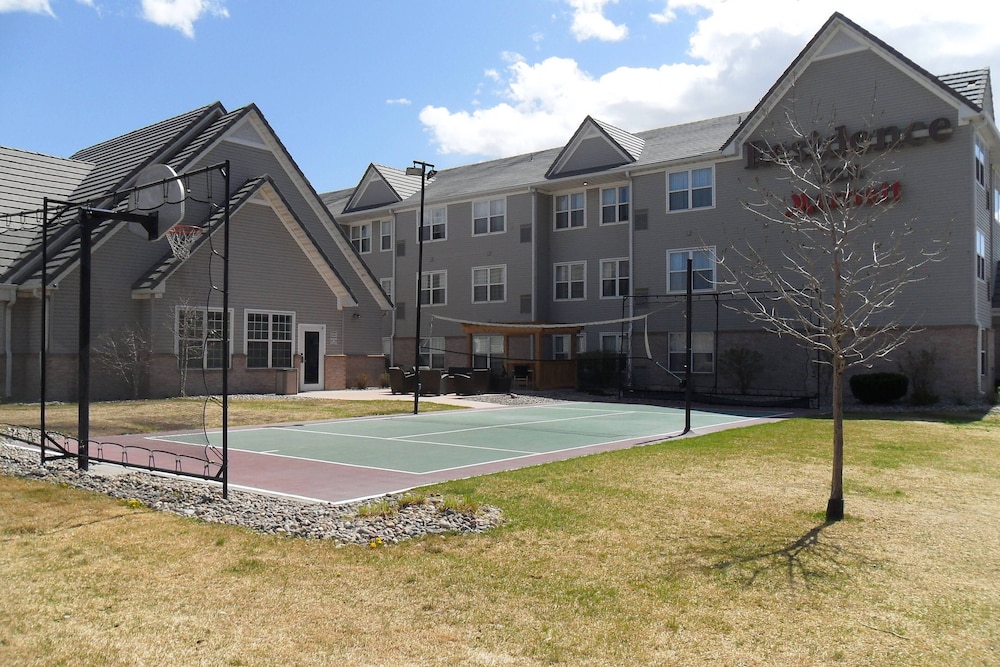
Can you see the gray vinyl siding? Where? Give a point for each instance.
(935, 177)
(248, 162)
(267, 273)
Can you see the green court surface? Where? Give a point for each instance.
(441, 441)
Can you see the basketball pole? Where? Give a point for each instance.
(89, 219)
(688, 385)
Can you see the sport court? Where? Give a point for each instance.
(350, 459)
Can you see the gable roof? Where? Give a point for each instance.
(595, 145)
(382, 186)
(841, 35)
(253, 190)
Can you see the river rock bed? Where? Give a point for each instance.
(259, 512)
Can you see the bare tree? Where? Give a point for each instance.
(126, 355)
(188, 330)
(830, 265)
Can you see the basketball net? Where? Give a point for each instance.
(181, 239)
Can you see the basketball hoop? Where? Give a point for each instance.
(181, 239)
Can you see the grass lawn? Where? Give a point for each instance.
(703, 551)
(173, 414)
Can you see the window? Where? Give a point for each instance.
(269, 340)
(614, 278)
(690, 189)
(615, 343)
(198, 340)
(569, 211)
(570, 283)
(702, 352)
(434, 288)
(980, 255)
(984, 351)
(980, 164)
(703, 269)
(436, 224)
(385, 235)
(488, 216)
(487, 352)
(432, 352)
(489, 284)
(614, 205)
(560, 346)
(386, 284)
(996, 199)
(361, 237)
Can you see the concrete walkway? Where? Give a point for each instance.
(377, 394)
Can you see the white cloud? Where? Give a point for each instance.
(400, 101)
(589, 21)
(33, 6)
(181, 14)
(735, 52)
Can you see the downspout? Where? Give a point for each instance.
(631, 276)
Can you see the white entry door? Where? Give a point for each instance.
(312, 348)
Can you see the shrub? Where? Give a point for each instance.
(360, 381)
(383, 381)
(879, 388)
(921, 368)
(741, 365)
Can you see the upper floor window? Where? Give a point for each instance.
(690, 189)
(570, 281)
(488, 216)
(436, 224)
(703, 269)
(361, 237)
(434, 288)
(489, 284)
(269, 340)
(614, 278)
(385, 235)
(614, 205)
(980, 163)
(980, 255)
(569, 210)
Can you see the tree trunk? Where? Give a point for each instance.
(835, 506)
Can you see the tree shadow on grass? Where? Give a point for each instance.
(807, 560)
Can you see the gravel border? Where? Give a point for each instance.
(263, 513)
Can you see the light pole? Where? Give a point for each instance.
(424, 170)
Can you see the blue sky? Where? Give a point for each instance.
(349, 82)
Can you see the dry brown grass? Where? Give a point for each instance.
(153, 416)
(707, 551)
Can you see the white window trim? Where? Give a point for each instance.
(980, 163)
(489, 216)
(618, 277)
(203, 311)
(420, 288)
(715, 269)
(247, 312)
(382, 236)
(429, 226)
(489, 298)
(694, 350)
(555, 281)
(390, 283)
(690, 188)
(569, 211)
(435, 346)
(982, 265)
(359, 226)
(617, 206)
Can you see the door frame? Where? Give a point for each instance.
(321, 330)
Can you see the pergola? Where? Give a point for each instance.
(541, 373)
